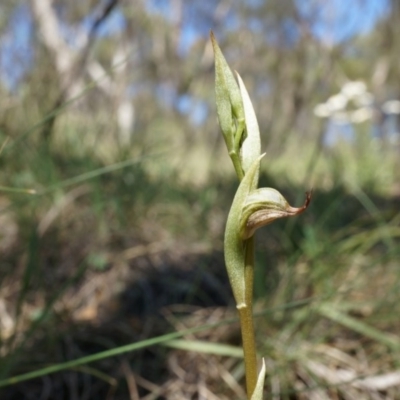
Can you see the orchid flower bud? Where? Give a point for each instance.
(233, 242)
(251, 209)
(228, 97)
(223, 70)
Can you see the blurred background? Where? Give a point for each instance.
(115, 187)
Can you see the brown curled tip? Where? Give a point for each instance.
(308, 198)
(297, 211)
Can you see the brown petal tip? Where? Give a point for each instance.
(299, 210)
(308, 199)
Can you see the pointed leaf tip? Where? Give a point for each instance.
(258, 391)
(225, 77)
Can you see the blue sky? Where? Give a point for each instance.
(341, 19)
(15, 49)
(337, 20)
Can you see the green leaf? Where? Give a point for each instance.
(199, 346)
(251, 147)
(233, 243)
(258, 391)
(228, 97)
(387, 339)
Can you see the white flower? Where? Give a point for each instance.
(391, 107)
(337, 102)
(361, 115)
(365, 99)
(353, 89)
(322, 110)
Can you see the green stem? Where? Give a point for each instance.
(237, 164)
(246, 321)
(238, 134)
(246, 313)
(249, 270)
(235, 151)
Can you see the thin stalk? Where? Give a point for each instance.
(234, 153)
(237, 164)
(249, 270)
(238, 134)
(246, 322)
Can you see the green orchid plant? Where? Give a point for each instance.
(251, 208)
